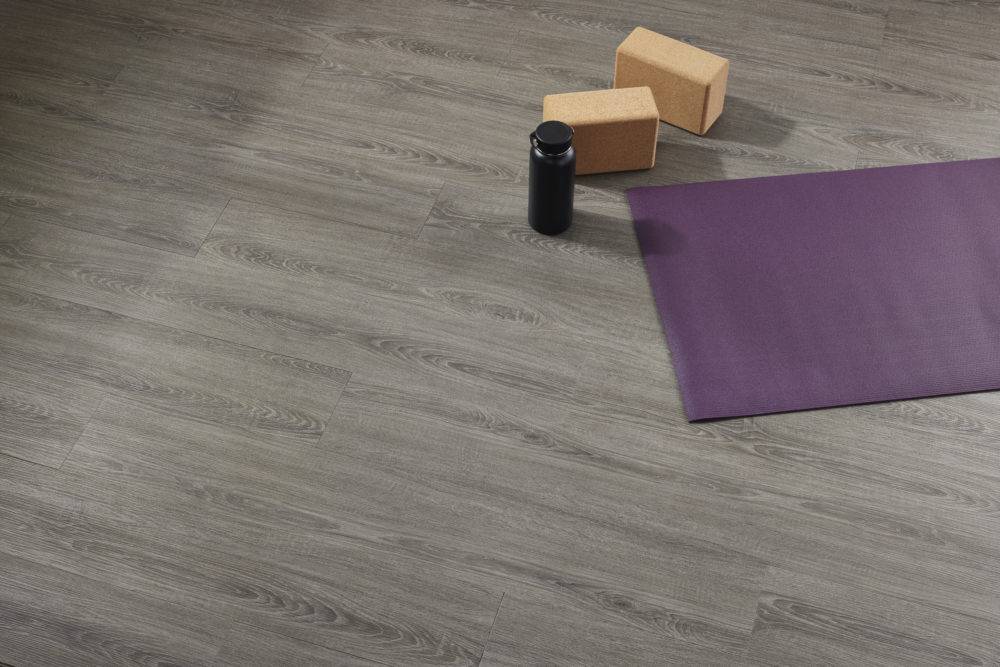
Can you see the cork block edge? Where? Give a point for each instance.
(720, 81)
(655, 124)
(704, 124)
(642, 57)
(653, 113)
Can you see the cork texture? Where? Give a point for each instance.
(688, 84)
(613, 130)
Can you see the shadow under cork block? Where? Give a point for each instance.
(748, 140)
(751, 122)
(751, 140)
(682, 162)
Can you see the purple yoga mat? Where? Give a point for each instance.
(814, 290)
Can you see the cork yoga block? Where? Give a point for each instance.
(613, 130)
(689, 84)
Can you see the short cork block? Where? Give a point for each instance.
(613, 130)
(689, 84)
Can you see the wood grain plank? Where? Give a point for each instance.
(42, 416)
(29, 65)
(259, 648)
(393, 99)
(104, 199)
(171, 370)
(537, 627)
(533, 532)
(213, 22)
(165, 477)
(251, 495)
(226, 163)
(49, 615)
(944, 142)
(46, 175)
(808, 619)
(330, 326)
(79, 40)
(943, 63)
(951, 57)
(234, 536)
(302, 319)
(843, 520)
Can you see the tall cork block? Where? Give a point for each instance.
(689, 84)
(613, 130)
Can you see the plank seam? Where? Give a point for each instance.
(489, 635)
(211, 229)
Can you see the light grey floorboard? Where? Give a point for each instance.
(171, 370)
(50, 616)
(540, 627)
(132, 524)
(256, 648)
(808, 620)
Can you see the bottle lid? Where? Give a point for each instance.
(552, 137)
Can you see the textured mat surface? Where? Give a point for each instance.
(815, 290)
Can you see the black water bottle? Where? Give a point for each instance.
(550, 178)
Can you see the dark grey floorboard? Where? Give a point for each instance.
(286, 379)
(45, 36)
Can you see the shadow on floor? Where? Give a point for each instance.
(749, 122)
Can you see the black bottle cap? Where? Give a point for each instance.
(552, 137)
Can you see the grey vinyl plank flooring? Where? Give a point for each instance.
(538, 627)
(232, 164)
(165, 483)
(286, 379)
(49, 174)
(42, 416)
(49, 71)
(211, 22)
(259, 648)
(805, 619)
(950, 59)
(190, 74)
(78, 39)
(104, 199)
(329, 319)
(303, 319)
(539, 503)
(50, 616)
(172, 370)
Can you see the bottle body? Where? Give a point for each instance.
(550, 189)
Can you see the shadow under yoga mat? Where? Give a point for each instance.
(814, 290)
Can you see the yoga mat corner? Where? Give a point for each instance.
(825, 289)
